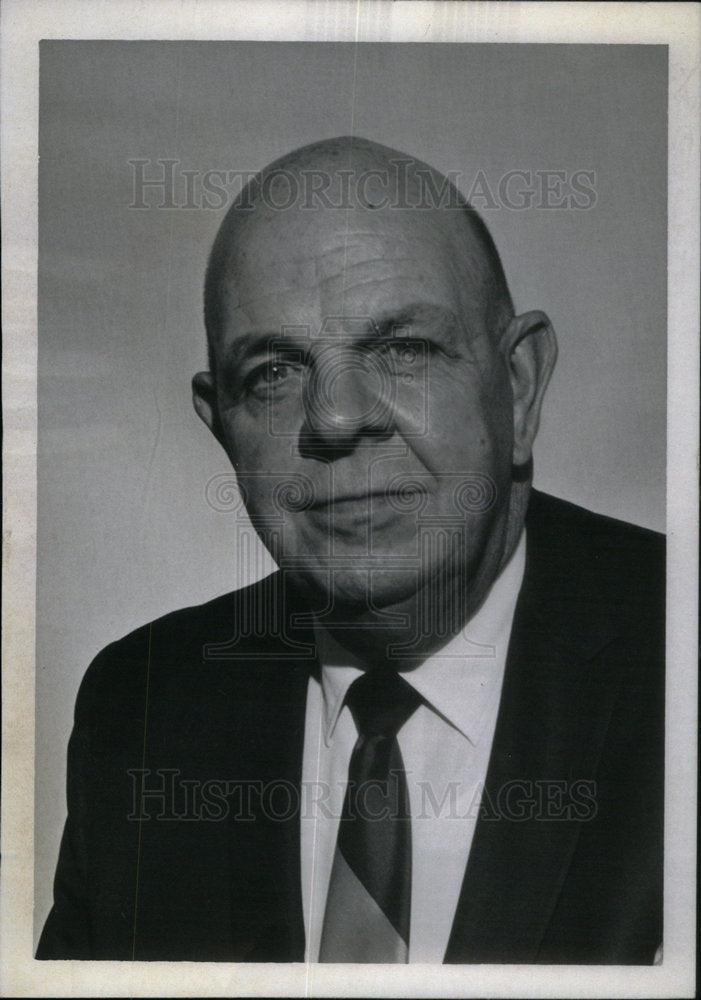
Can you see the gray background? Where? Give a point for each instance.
(124, 530)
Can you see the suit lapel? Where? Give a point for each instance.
(556, 702)
(264, 837)
(262, 696)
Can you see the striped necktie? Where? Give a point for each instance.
(368, 906)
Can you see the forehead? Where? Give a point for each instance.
(299, 267)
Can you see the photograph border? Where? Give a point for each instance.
(24, 23)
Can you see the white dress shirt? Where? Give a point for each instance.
(445, 746)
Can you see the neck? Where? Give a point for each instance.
(407, 632)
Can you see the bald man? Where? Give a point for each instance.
(435, 734)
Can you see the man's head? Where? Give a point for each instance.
(369, 380)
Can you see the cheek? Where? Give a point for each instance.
(253, 446)
(468, 425)
(271, 486)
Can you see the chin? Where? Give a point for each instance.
(351, 592)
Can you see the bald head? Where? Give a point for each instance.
(364, 189)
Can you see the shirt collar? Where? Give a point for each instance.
(461, 680)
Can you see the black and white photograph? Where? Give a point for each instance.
(359, 472)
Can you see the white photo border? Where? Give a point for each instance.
(24, 23)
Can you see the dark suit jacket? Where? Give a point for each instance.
(203, 712)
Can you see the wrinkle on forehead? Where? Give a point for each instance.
(305, 276)
(337, 270)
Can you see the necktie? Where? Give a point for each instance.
(368, 905)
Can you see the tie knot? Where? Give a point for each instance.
(381, 702)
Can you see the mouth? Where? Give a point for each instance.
(393, 498)
(374, 511)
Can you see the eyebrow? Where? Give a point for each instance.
(436, 319)
(248, 345)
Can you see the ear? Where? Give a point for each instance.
(204, 399)
(530, 349)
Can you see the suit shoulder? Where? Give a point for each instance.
(580, 534)
(606, 561)
(170, 648)
(554, 511)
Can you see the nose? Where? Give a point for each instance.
(349, 395)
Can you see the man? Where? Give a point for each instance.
(432, 735)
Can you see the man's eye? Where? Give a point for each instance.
(274, 373)
(271, 377)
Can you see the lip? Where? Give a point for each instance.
(350, 513)
(359, 499)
